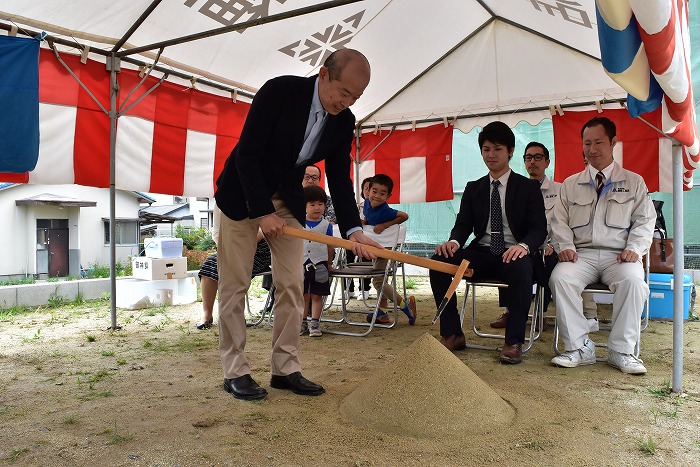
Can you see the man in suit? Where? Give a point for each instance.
(505, 212)
(292, 122)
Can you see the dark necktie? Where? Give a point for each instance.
(599, 182)
(498, 244)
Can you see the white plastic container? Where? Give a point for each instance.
(133, 294)
(158, 268)
(163, 247)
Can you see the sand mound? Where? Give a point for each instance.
(426, 392)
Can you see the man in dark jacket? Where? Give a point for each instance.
(505, 212)
(292, 122)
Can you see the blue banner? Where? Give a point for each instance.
(19, 104)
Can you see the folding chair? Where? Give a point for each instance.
(394, 237)
(534, 327)
(605, 324)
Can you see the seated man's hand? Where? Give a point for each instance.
(627, 256)
(548, 250)
(379, 228)
(447, 249)
(568, 255)
(361, 239)
(271, 225)
(513, 253)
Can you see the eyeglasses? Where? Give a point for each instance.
(530, 157)
(315, 178)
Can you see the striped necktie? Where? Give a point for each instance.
(599, 177)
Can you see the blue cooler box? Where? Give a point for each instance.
(661, 295)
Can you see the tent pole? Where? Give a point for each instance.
(677, 376)
(113, 67)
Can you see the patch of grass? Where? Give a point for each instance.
(648, 446)
(663, 391)
(71, 420)
(411, 283)
(147, 344)
(15, 454)
(657, 412)
(26, 280)
(79, 299)
(121, 361)
(94, 378)
(34, 338)
(9, 314)
(259, 416)
(90, 338)
(160, 326)
(52, 279)
(4, 409)
(56, 301)
(115, 437)
(107, 353)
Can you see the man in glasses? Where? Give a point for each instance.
(312, 177)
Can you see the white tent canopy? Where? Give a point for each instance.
(430, 60)
(458, 60)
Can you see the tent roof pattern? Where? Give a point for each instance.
(431, 60)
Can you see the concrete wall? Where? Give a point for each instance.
(39, 294)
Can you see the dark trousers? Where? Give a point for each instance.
(517, 274)
(542, 273)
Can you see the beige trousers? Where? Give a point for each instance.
(237, 243)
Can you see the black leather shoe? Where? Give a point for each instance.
(204, 324)
(297, 384)
(244, 387)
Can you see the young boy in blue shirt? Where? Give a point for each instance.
(317, 257)
(378, 213)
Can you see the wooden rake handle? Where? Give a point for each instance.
(336, 242)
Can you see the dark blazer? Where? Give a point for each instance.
(524, 207)
(264, 160)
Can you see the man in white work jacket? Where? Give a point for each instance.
(601, 228)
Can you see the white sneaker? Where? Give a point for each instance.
(315, 330)
(573, 358)
(593, 325)
(304, 327)
(626, 363)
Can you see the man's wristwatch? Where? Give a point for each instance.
(524, 245)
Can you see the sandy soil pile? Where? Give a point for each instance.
(426, 391)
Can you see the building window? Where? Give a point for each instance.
(126, 232)
(179, 199)
(204, 223)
